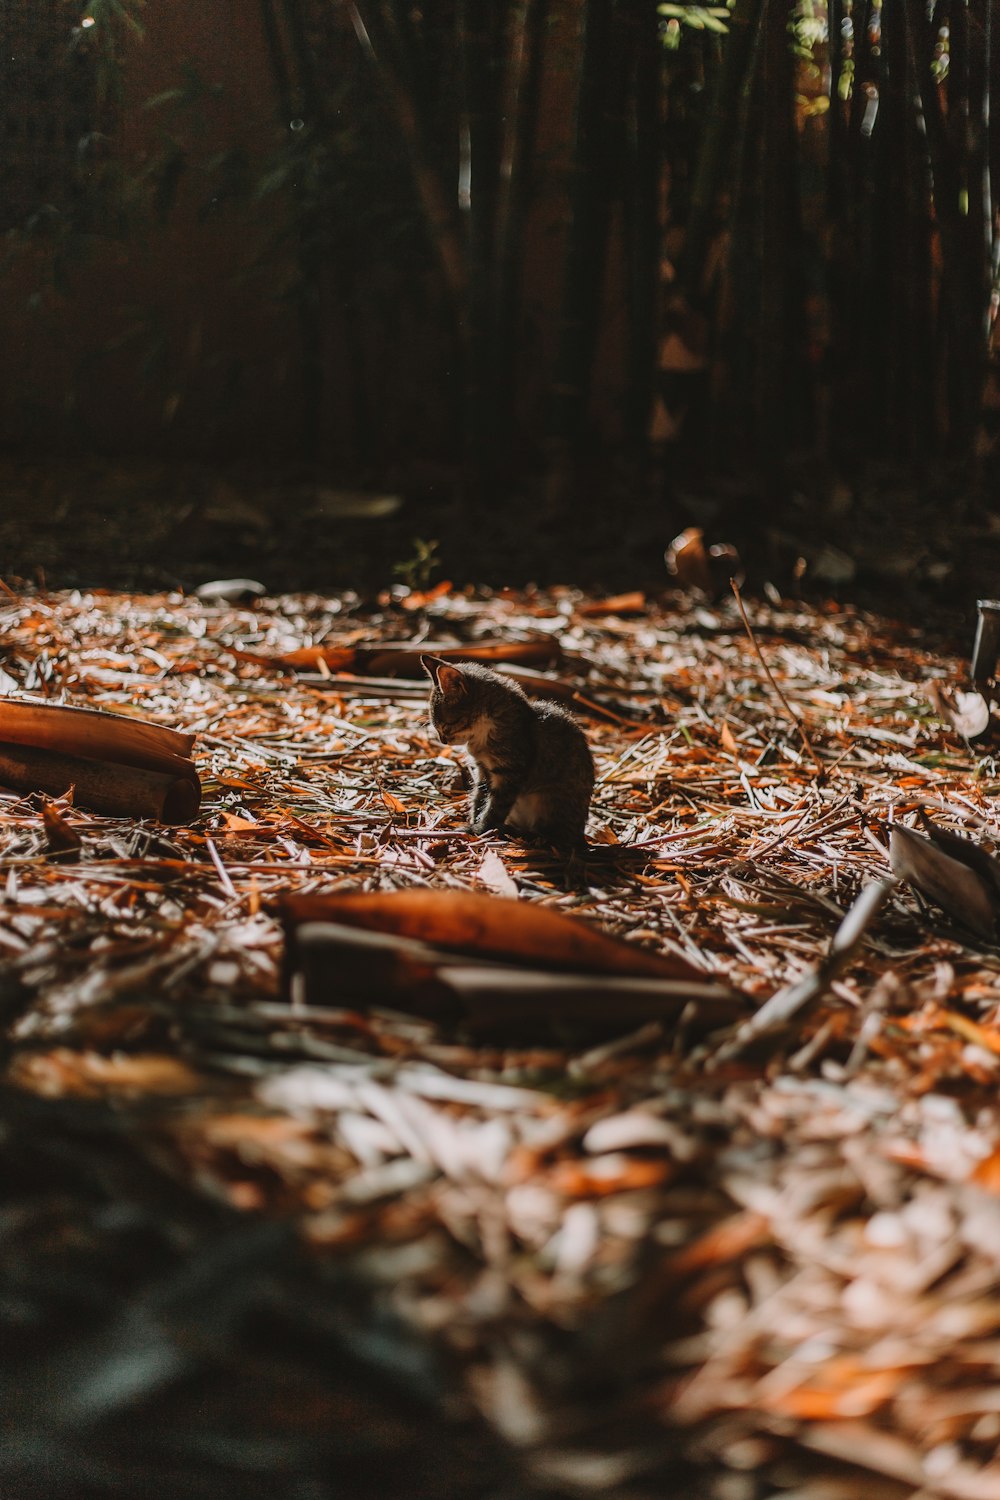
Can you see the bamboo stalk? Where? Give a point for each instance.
(477, 185)
(780, 373)
(715, 142)
(440, 225)
(104, 786)
(641, 228)
(518, 124)
(584, 259)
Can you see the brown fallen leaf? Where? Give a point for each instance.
(727, 741)
(615, 1173)
(60, 838)
(618, 604)
(66, 1072)
(687, 560)
(708, 569)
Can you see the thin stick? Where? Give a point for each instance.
(789, 710)
(224, 880)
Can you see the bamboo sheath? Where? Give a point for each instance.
(114, 764)
(92, 732)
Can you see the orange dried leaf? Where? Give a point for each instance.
(610, 1174)
(619, 604)
(727, 741)
(982, 1036)
(60, 837)
(65, 1072)
(234, 823)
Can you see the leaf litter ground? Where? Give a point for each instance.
(622, 1258)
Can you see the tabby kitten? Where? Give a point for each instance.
(532, 767)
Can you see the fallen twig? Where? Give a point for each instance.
(793, 716)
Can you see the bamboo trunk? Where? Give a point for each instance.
(106, 787)
(780, 371)
(440, 225)
(296, 99)
(586, 247)
(477, 182)
(518, 126)
(720, 116)
(641, 226)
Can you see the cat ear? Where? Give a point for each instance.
(446, 678)
(452, 681)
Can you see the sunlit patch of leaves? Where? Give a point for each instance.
(696, 17)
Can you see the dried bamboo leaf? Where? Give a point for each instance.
(230, 591)
(776, 1012)
(687, 560)
(633, 603)
(60, 837)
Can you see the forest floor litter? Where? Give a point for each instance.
(643, 1248)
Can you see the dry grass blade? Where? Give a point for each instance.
(793, 716)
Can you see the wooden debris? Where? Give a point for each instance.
(402, 658)
(330, 962)
(489, 927)
(953, 872)
(110, 763)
